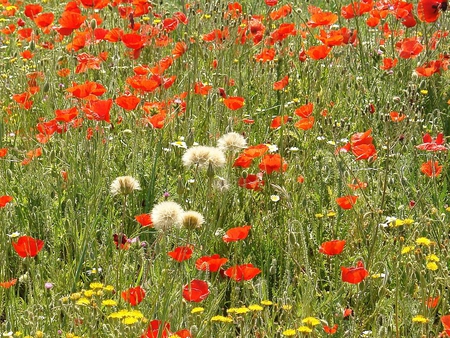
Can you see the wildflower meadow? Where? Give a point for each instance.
(211, 168)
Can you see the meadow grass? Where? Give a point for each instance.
(59, 167)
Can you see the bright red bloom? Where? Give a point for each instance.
(346, 202)
(66, 115)
(322, 19)
(282, 12)
(431, 168)
(318, 52)
(8, 284)
(242, 272)
(201, 89)
(364, 152)
(409, 48)
(432, 302)
(429, 10)
(330, 330)
(389, 63)
(88, 90)
(234, 102)
(133, 295)
(195, 291)
(333, 247)
(27, 246)
(273, 162)
(430, 144)
(4, 200)
(32, 10)
(305, 111)
(256, 151)
(236, 234)
(144, 219)
(279, 85)
(445, 320)
(98, 110)
(181, 253)
(3, 152)
(354, 275)
(243, 161)
(128, 102)
(210, 263)
(157, 329)
(133, 41)
(305, 123)
(356, 9)
(278, 121)
(252, 182)
(271, 3)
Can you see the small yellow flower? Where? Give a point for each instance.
(304, 329)
(222, 319)
(197, 310)
(75, 296)
(424, 92)
(311, 321)
(129, 320)
(96, 285)
(120, 314)
(432, 266)
(318, 215)
(266, 302)
(108, 288)
(423, 241)
(407, 249)
(242, 310)
(255, 307)
(331, 214)
(432, 258)
(289, 333)
(109, 302)
(83, 301)
(448, 208)
(420, 319)
(286, 307)
(39, 334)
(88, 293)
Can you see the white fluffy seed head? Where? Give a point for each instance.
(232, 142)
(192, 220)
(124, 185)
(166, 215)
(203, 156)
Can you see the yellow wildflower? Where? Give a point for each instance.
(289, 333)
(255, 307)
(266, 302)
(432, 266)
(222, 319)
(423, 241)
(420, 319)
(197, 310)
(109, 302)
(311, 321)
(304, 329)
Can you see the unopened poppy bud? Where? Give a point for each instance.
(93, 24)
(32, 45)
(244, 175)
(46, 87)
(210, 172)
(180, 186)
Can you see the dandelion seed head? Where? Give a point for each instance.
(166, 215)
(203, 156)
(192, 220)
(124, 185)
(232, 142)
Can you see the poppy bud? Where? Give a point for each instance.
(210, 171)
(180, 186)
(46, 87)
(32, 45)
(222, 93)
(93, 24)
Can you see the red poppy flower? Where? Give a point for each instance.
(389, 63)
(121, 241)
(354, 275)
(432, 302)
(430, 68)
(98, 110)
(243, 161)
(347, 313)
(234, 102)
(364, 152)
(431, 168)
(144, 219)
(271, 3)
(210, 263)
(157, 329)
(430, 144)
(282, 12)
(429, 10)
(195, 291)
(133, 41)
(242, 272)
(236, 234)
(318, 52)
(251, 182)
(66, 115)
(396, 116)
(179, 49)
(128, 102)
(278, 121)
(181, 253)
(445, 320)
(201, 89)
(356, 9)
(333, 247)
(4, 200)
(184, 333)
(265, 55)
(330, 330)
(273, 162)
(88, 90)
(346, 202)
(322, 19)
(133, 295)
(305, 123)
(32, 10)
(279, 85)
(305, 111)
(8, 284)
(256, 151)
(27, 246)
(3, 152)
(409, 48)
